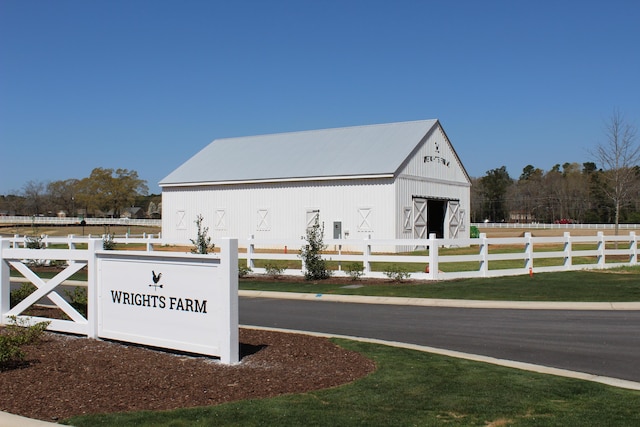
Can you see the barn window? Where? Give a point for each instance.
(264, 220)
(313, 216)
(221, 219)
(180, 222)
(364, 219)
(406, 219)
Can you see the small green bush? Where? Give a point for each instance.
(355, 270)
(243, 270)
(78, 299)
(474, 233)
(108, 244)
(21, 293)
(15, 335)
(34, 242)
(274, 270)
(396, 273)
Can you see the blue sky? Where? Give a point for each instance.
(145, 84)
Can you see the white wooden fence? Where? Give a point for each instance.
(479, 257)
(117, 293)
(54, 220)
(19, 258)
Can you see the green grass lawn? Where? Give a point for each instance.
(414, 388)
(622, 284)
(615, 285)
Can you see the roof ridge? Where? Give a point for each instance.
(325, 129)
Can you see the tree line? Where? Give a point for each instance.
(606, 190)
(104, 193)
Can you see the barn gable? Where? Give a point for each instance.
(435, 159)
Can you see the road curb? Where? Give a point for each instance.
(453, 303)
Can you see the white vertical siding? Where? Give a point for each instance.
(286, 204)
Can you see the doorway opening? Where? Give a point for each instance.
(436, 210)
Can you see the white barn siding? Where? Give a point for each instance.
(279, 210)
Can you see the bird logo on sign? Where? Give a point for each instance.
(156, 279)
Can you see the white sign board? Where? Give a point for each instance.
(179, 301)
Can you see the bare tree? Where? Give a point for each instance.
(618, 155)
(34, 192)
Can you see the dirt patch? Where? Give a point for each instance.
(66, 375)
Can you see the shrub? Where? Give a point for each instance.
(243, 270)
(274, 270)
(315, 266)
(34, 242)
(14, 336)
(202, 243)
(355, 270)
(78, 299)
(396, 273)
(474, 233)
(107, 242)
(21, 293)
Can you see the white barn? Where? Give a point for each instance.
(386, 181)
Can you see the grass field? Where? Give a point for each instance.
(621, 284)
(412, 388)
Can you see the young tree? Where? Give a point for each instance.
(202, 243)
(618, 154)
(34, 192)
(311, 253)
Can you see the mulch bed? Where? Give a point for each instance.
(66, 375)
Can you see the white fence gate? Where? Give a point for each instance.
(181, 301)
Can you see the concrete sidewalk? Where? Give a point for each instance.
(11, 420)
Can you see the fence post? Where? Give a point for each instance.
(250, 250)
(528, 250)
(601, 250)
(484, 255)
(70, 243)
(634, 248)
(568, 248)
(229, 350)
(5, 281)
(366, 254)
(92, 287)
(433, 257)
(149, 243)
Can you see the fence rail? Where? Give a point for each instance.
(49, 220)
(438, 259)
(545, 226)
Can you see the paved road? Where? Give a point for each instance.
(604, 343)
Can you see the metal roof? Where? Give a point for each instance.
(371, 150)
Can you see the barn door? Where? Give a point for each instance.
(455, 219)
(419, 218)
